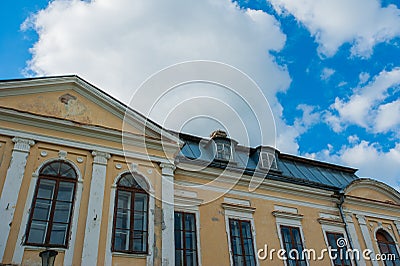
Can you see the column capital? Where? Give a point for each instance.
(397, 224)
(100, 157)
(361, 219)
(167, 169)
(21, 144)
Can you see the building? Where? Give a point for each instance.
(69, 184)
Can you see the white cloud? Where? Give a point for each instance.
(326, 73)
(369, 158)
(287, 139)
(118, 44)
(363, 77)
(362, 23)
(370, 107)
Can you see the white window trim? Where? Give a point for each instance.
(150, 235)
(389, 233)
(240, 212)
(274, 163)
(190, 205)
(69, 252)
(230, 149)
(292, 220)
(331, 228)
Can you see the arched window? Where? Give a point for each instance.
(130, 216)
(51, 211)
(387, 248)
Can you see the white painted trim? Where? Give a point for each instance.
(289, 221)
(353, 235)
(11, 188)
(247, 216)
(367, 237)
(334, 229)
(69, 252)
(150, 236)
(390, 234)
(89, 91)
(81, 145)
(95, 208)
(240, 193)
(168, 230)
(373, 214)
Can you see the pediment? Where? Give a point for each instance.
(72, 99)
(372, 190)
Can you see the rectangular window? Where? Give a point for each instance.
(268, 160)
(185, 239)
(242, 243)
(223, 151)
(293, 245)
(340, 254)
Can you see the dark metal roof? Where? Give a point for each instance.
(292, 169)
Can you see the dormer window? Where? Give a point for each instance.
(268, 160)
(223, 151)
(223, 145)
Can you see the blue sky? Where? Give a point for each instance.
(330, 69)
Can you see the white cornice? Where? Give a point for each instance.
(287, 215)
(28, 86)
(71, 127)
(238, 208)
(231, 177)
(82, 145)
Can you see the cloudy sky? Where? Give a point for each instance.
(330, 69)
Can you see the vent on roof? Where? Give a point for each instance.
(268, 160)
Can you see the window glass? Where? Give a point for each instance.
(387, 246)
(242, 242)
(292, 241)
(340, 255)
(52, 205)
(130, 217)
(185, 239)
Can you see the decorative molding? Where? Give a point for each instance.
(167, 169)
(287, 215)
(100, 157)
(22, 145)
(62, 154)
(82, 145)
(256, 195)
(43, 153)
(118, 166)
(237, 201)
(286, 209)
(361, 219)
(334, 222)
(79, 159)
(238, 208)
(397, 224)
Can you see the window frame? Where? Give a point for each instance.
(291, 228)
(217, 151)
(240, 221)
(184, 231)
(343, 235)
(58, 179)
(392, 242)
(239, 209)
(290, 218)
(270, 165)
(133, 192)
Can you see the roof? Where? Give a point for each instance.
(293, 169)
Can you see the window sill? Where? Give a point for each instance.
(129, 255)
(39, 248)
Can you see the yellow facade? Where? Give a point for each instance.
(67, 119)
